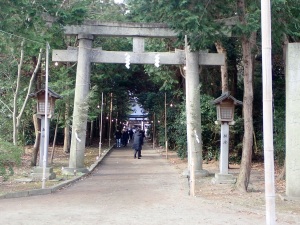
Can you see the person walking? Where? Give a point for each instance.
(137, 144)
(142, 138)
(125, 137)
(118, 136)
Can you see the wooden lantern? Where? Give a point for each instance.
(40, 96)
(225, 107)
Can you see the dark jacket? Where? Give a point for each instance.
(137, 140)
(118, 134)
(125, 135)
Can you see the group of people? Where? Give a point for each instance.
(124, 136)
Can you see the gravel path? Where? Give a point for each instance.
(124, 190)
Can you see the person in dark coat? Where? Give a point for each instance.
(130, 134)
(118, 136)
(125, 137)
(137, 143)
(142, 137)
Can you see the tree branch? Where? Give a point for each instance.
(61, 5)
(30, 84)
(6, 106)
(15, 110)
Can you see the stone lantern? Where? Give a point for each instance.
(44, 140)
(225, 116)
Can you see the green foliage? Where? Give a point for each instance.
(28, 21)
(177, 130)
(210, 131)
(176, 125)
(252, 20)
(279, 115)
(8, 75)
(5, 119)
(199, 20)
(285, 21)
(10, 156)
(107, 11)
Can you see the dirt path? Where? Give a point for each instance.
(124, 190)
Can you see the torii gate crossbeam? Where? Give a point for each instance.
(166, 58)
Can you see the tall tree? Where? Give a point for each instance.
(248, 41)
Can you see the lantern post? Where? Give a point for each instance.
(38, 172)
(225, 116)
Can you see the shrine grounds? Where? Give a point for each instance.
(151, 190)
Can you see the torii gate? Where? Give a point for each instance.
(85, 55)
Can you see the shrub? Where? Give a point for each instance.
(10, 156)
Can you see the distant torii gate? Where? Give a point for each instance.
(85, 55)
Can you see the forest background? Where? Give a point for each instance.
(27, 25)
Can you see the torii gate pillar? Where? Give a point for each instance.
(76, 161)
(193, 115)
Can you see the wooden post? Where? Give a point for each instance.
(166, 137)
(46, 120)
(100, 128)
(110, 118)
(54, 139)
(153, 130)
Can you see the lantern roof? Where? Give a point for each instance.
(51, 93)
(225, 96)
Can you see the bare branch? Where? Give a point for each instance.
(6, 106)
(61, 5)
(15, 110)
(182, 72)
(30, 84)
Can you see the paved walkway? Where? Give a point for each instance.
(124, 190)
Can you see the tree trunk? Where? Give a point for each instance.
(244, 175)
(104, 120)
(282, 174)
(234, 77)
(91, 133)
(15, 110)
(54, 139)
(110, 122)
(67, 139)
(284, 48)
(37, 129)
(224, 68)
(87, 136)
